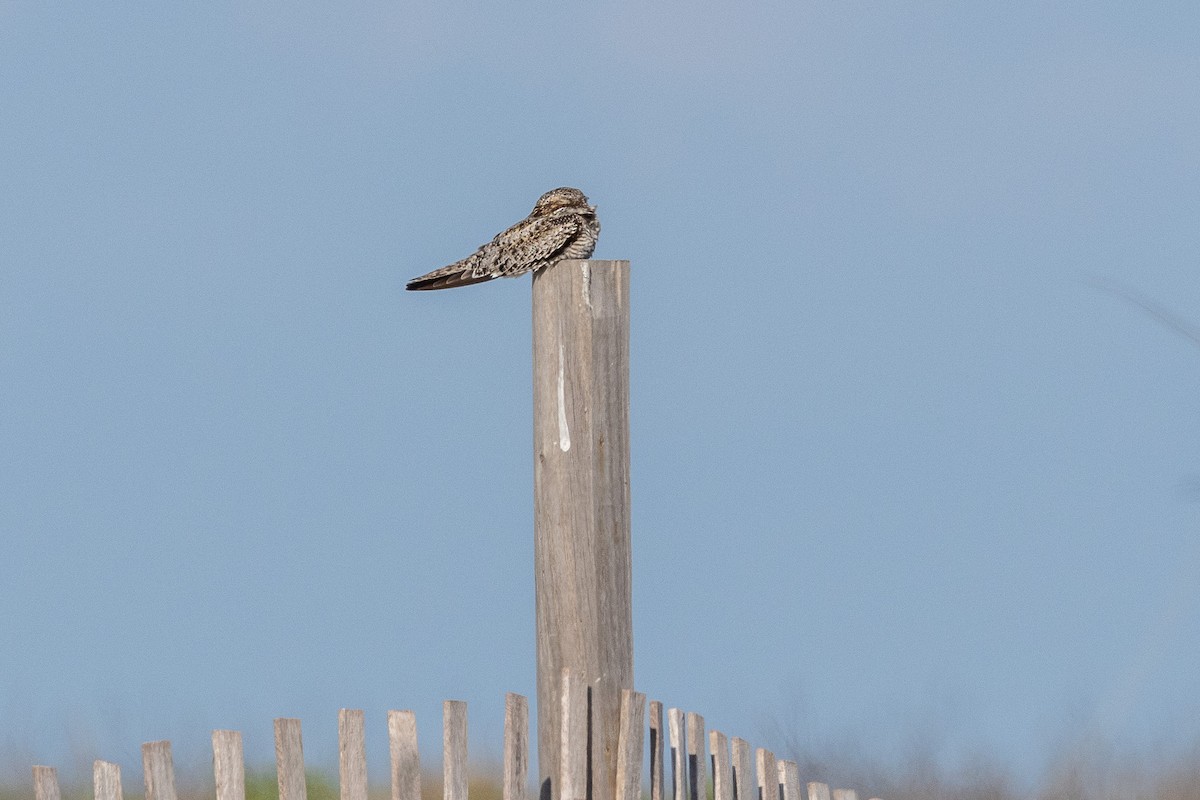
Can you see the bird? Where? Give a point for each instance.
(561, 225)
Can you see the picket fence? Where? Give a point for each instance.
(739, 772)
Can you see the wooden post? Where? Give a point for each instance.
(106, 780)
(677, 735)
(768, 775)
(697, 783)
(718, 744)
(574, 780)
(289, 760)
(743, 780)
(45, 783)
(406, 762)
(582, 563)
(229, 766)
(516, 747)
(656, 750)
(789, 779)
(630, 743)
(454, 750)
(352, 754)
(158, 770)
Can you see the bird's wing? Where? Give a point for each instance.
(531, 242)
(525, 246)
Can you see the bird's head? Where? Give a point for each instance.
(563, 197)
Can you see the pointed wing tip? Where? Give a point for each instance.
(430, 283)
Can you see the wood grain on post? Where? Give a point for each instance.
(718, 745)
(697, 769)
(158, 770)
(106, 780)
(289, 760)
(516, 747)
(789, 779)
(743, 781)
(573, 779)
(629, 745)
(45, 783)
(675, 733)
(768, 775)
(454, 750)
(352, 754)
(406, 762)
(656, 750)
(229, 766)
(582, 563)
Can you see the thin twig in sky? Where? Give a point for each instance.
(1157, 311)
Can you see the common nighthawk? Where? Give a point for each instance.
(561, 225)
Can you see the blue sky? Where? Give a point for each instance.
(901, 471)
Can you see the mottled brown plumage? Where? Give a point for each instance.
(561, 225)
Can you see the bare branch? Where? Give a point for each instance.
(1157, 311)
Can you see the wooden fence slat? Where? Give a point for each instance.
(159, 770)
(106, 780)
(406, 762)
(289, 760)
(678, 754)
(45, 783)
(718, 745)
(696, 752)
(729, 758)
(574, 761)
(743, 780)
(789, 779)
(454, 750)
(516, 747)
(229, 766)
(768, 775)
(352, 754)
(656, 750)
(630, 741)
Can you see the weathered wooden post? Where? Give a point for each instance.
(582, 555)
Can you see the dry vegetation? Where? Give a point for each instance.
(1084, 772)
(1080, 773)
(261, 785)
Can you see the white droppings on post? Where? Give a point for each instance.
(564, 432)
(587, 283)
